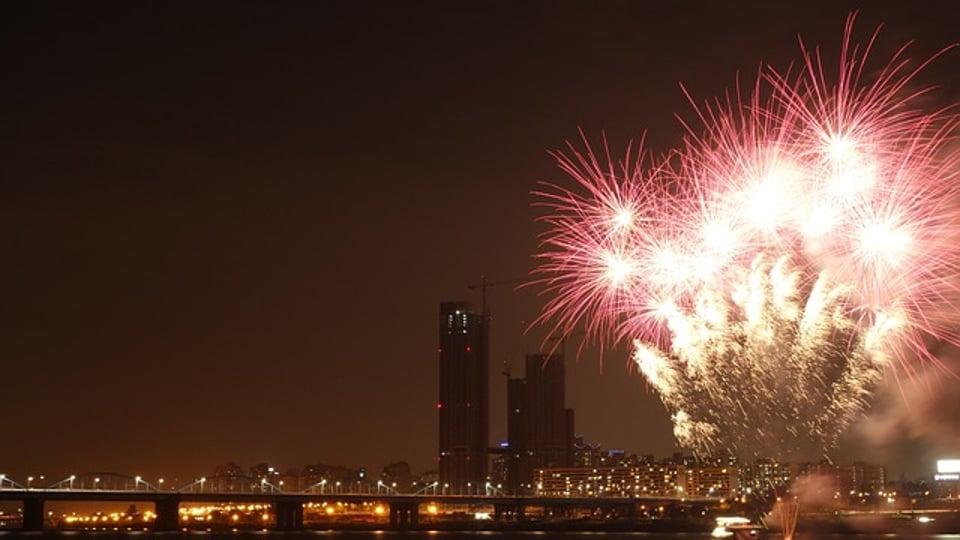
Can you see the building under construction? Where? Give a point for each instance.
(539, 425)
(463, 403)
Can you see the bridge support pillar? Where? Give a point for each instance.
(289, 515)
(33, 514)
(168, 514)
(404, 515)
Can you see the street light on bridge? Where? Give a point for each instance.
(203, 480)
(160, 481)
(95, 482)
(29, 482)
(72, 478)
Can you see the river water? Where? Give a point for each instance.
(429, 535)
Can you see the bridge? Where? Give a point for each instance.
(288, 507)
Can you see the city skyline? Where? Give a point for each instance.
(229, 225)
(399, 478)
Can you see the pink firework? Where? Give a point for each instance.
(849, 178)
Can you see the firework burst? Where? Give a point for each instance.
(775, 265)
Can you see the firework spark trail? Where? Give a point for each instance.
(734, 368)
(772, 268)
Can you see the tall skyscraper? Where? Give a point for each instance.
(539, 426)
(464, 397)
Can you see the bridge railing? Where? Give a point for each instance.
(103, 481)
(9, 483)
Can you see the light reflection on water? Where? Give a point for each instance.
(427, 535)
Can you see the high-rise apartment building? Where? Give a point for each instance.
(463, 403)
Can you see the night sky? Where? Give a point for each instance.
(227, 226)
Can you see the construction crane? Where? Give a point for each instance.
(484, 284)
